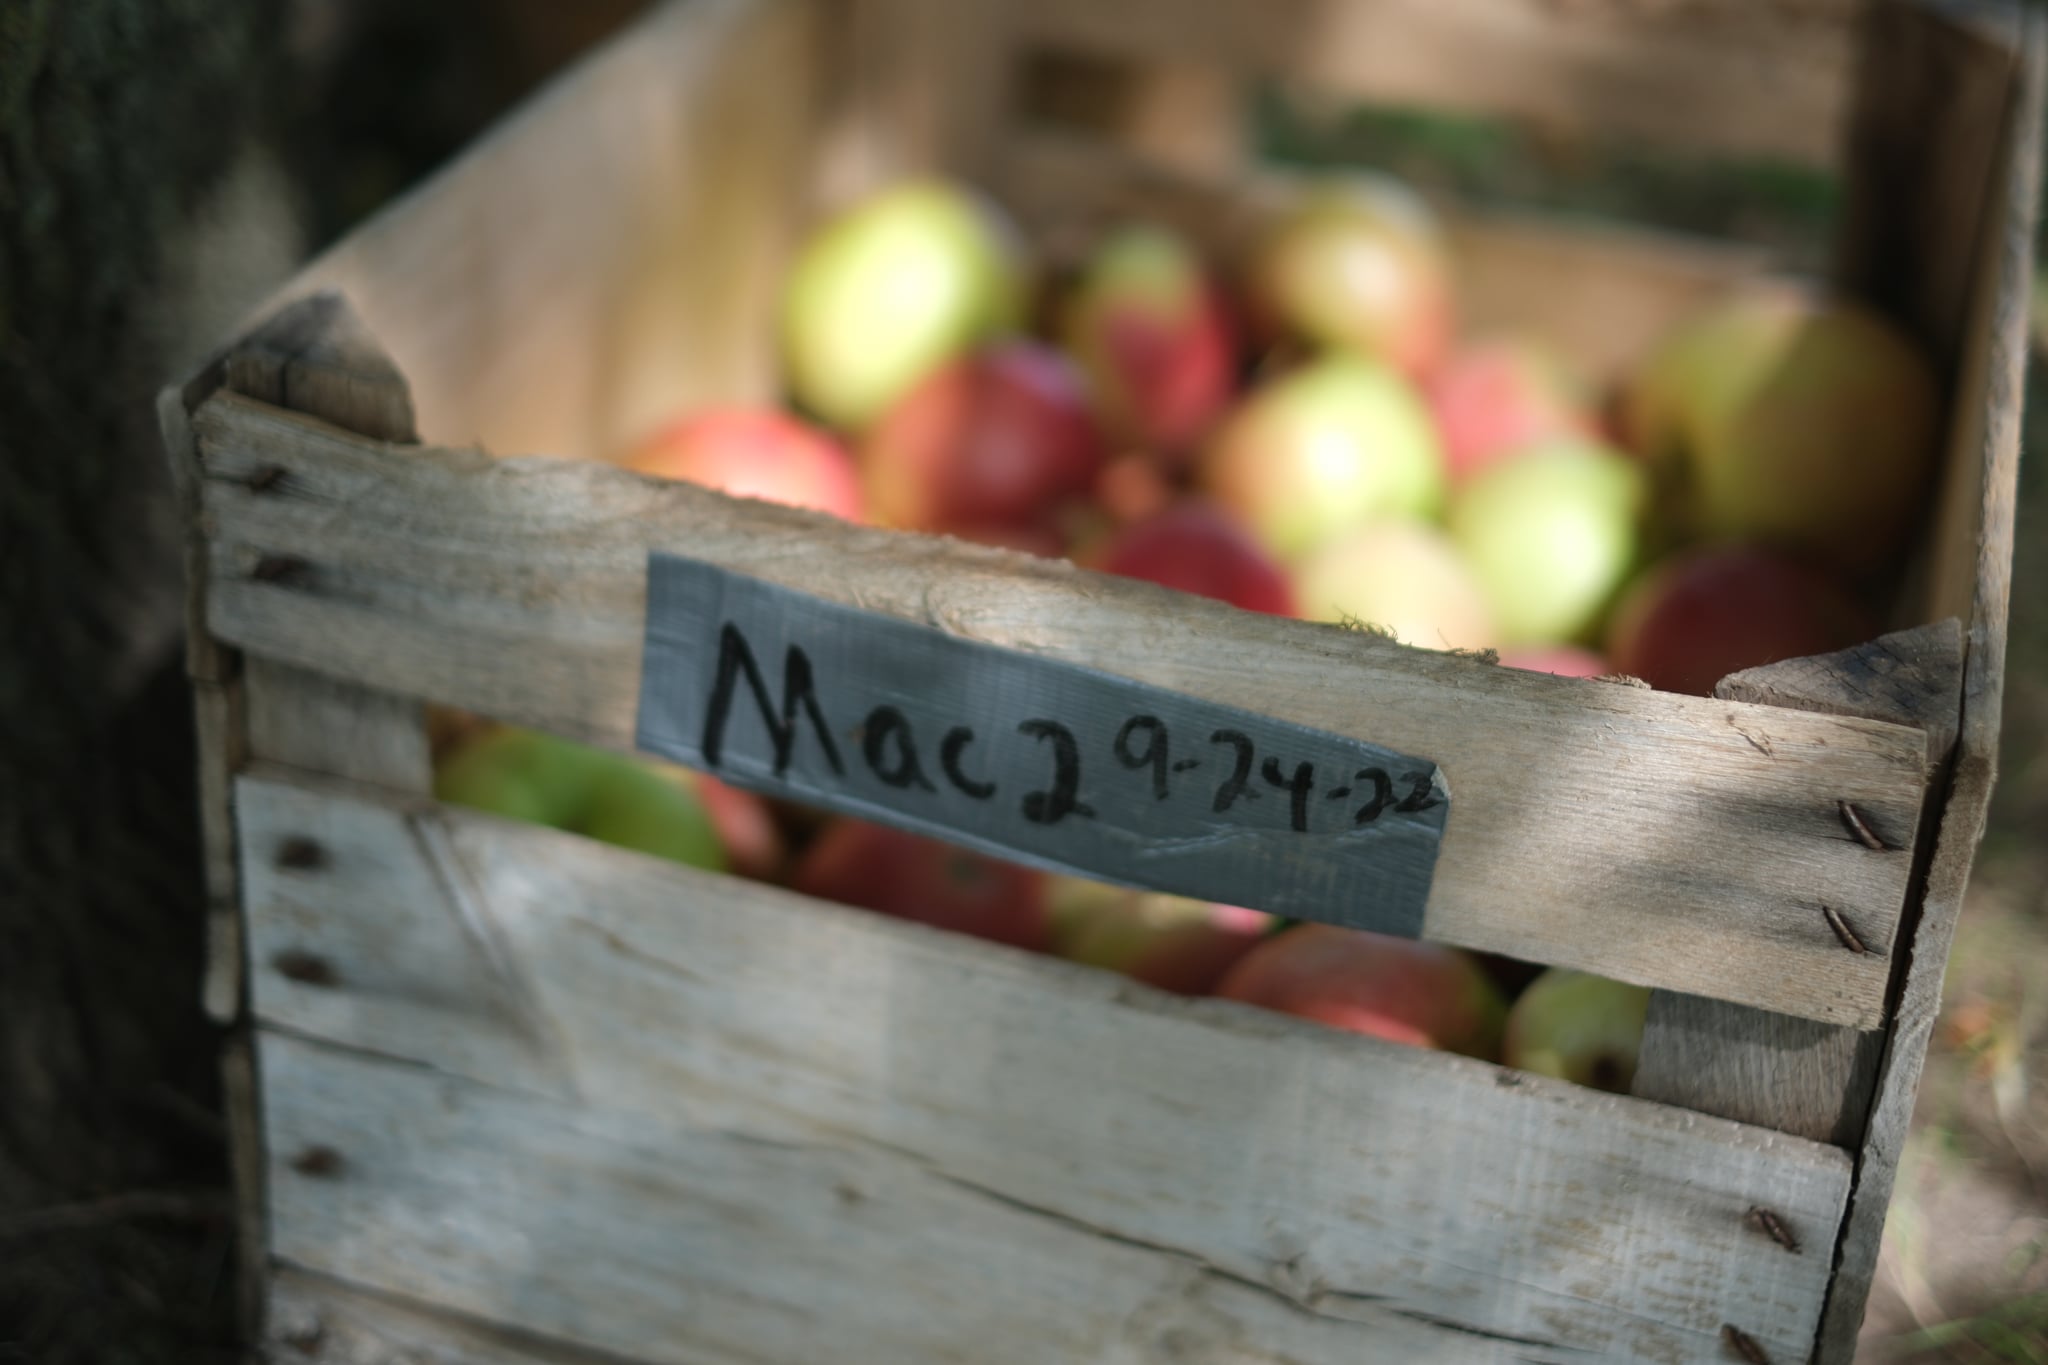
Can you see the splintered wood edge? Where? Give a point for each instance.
(661, 1036)
(427, 572)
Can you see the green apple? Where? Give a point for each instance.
(1551, 535)
(526, 775)
(1782, 419)
(1400, 577)
(1578, 1027)
(1173, 943)
(891, 288)
(1312, 454)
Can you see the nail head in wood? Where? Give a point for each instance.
(1743, 1345)
(280, 569)
(318, 1162)
(301, 854)
(1843, 932)
(308, 969)
(266, 478)
(1773, 1227)
(1858, 826)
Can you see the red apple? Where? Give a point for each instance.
(1357, 262)
(1578, 1027)
(915, 878)
(1148, 326)
(987, 445)
(1423, 994)
(1318, 451)
(1784, 419)
(1694, 619)
(1168, 942)
(1551, 535)
(754, 846)
(755, 453)
(1566, 661)
(892, 287)
(1400, 577)
(1495, 397)
(1195, 547)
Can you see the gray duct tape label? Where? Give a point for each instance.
(1029, 758)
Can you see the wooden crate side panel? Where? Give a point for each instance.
(1993, 385)
(1675, 841)
(318, 1320)
(677, 1117)
(1727, 78)
(612, 252)
(1602, 295)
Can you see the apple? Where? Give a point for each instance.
(1423, 994)
(526, 775)
(1781, 418)
(1551, 535)
(1495, 397)
(1171, 943)
(1356, 262)
(1565, 661)
(987, 445)
(1694, 619)
(746, 825)
(1399, 577)
(1195, 547)
(1317, 451)
(911, 877)
(755, 453)
(1578, 1027)
(890, 288)
(1148, 326)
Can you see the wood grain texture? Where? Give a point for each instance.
(1992, 391)
(570, 245)
(315, 356)
(318, 1320)
(655, 1112)
(1796, 1075)
(308, 720)
(1672, 841)
(1752, 80)
(1602, 294)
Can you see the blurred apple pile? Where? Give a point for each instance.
(1303, 431)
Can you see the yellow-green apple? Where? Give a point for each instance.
(1692, 619)
(1551, 535)
(1400, 577)
(1780, 418)
(986, 446)
(1172, 943)
(1359, 262)
(1196, 547)
(755, 453)
(1319, 450)
(1578, 1027)
(526, 775)
(1148, 326)
(1566, 661)
(891, 287)
(1422, 994)
(911, 877)
(1500, 395)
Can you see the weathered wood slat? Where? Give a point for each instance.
(1672, 841)
(316, 1320)
(1989, 398)
(1770, 80)
(1795, 1075)
(762, 1128)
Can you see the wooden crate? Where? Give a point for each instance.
(503, 1094)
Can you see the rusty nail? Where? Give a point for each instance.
(1743, 1344)
(1773, 1227)
(266, 478)
(279, 568)
(1842, 929)
(311, 969)
(1860, 827)
(318, 1161)
(301, 854)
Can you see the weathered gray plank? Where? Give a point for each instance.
(709, 1092)
(324, 725)
(317, 1320)
(1989, 399)
(1671, 841)
(1796, 1075)
(315, 356)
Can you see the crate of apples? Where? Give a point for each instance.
(1302, 430)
